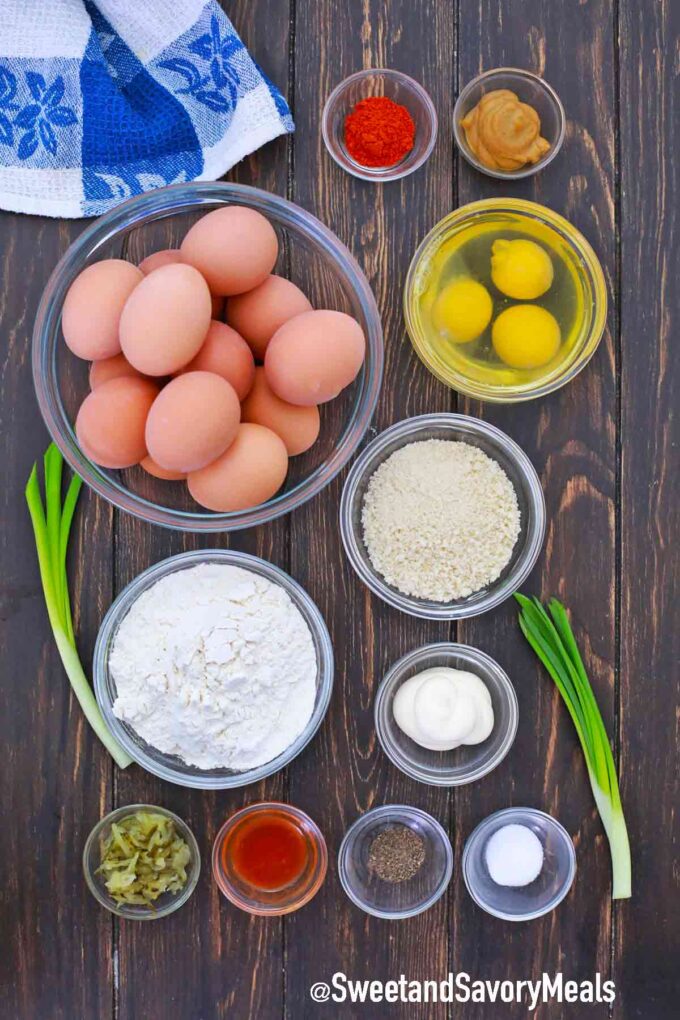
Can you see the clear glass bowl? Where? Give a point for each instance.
(401, 89)
(279, 901)
(170, 767)
(509, 215)
(165, 904)
(495, 444)
(522, 903)
(530, 89)
(466, 763)
(309, 254)
(395, 900)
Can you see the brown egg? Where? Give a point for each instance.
(217, 307)
(111, 368)
(160, 258)
(93, 306)
(312, 357)
(250, 472)
(258, 314)
(165, 321)
(193, 420)
(226, 353)
(234, 248)
(152, 468)
(166, 258)
(297, 426)
(111, 421)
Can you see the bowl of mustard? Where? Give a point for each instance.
(505, 300)
(509, 123)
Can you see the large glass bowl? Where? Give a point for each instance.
(168, 766)
(310, 255)
(492, 442)
(573, 257)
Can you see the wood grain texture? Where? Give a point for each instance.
(570, 437)
(647, 939)
(344, 772)
(606, 450)
(230, 962)
(55, 776)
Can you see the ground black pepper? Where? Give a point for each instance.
(396, 854)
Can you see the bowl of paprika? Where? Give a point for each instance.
(379, 125)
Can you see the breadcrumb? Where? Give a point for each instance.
(440, 519)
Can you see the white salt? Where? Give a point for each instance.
(514, 856)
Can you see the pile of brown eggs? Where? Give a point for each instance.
(220, 404)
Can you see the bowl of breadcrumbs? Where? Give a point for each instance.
(443, 516)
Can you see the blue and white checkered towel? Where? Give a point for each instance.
(103, 99)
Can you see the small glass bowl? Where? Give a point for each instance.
(165, 904)
(509, 216)
(395, 900)
(530, 89)
(495, 444)
(266, 903)
(522, 903)
(309, 253)
(466, 763)
(401, 89)
(170, 767)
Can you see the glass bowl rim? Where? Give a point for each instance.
(473, 656)
(516, 814)
(381, 175)
(121, 910)
(596, 283)
(315, 834)
(385, 811)
(139, 211)
(553, 98)
(198, 778)
(408, 430)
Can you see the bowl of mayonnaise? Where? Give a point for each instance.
(446, 714)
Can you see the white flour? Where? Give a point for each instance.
(215, 664)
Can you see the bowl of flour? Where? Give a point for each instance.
(213, 669)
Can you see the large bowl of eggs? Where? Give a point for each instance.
(207, 356)
(505, 300)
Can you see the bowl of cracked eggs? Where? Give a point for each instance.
(505, 300)
(207, 356)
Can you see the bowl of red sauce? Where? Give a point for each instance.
(269, 859)
(379, 125)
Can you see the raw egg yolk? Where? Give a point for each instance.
(521, 269)
(526, 336)
(463, 309)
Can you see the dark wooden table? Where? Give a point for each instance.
(607, 452)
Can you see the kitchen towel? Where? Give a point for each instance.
(104, 99)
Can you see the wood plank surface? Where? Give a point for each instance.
(230, 961)
(382, 226)
(606, 450)
(55, 776)
(570, 437)
(648, 934)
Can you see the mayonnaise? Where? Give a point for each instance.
(442, 708)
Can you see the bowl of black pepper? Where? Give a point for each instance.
(395, 861)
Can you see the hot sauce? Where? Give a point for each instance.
(268, 851)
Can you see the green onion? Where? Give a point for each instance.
(551, 637)
(51, 527)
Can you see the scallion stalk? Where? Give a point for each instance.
(51, 527)
(551, 637)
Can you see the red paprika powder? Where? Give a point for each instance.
(379, 132)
